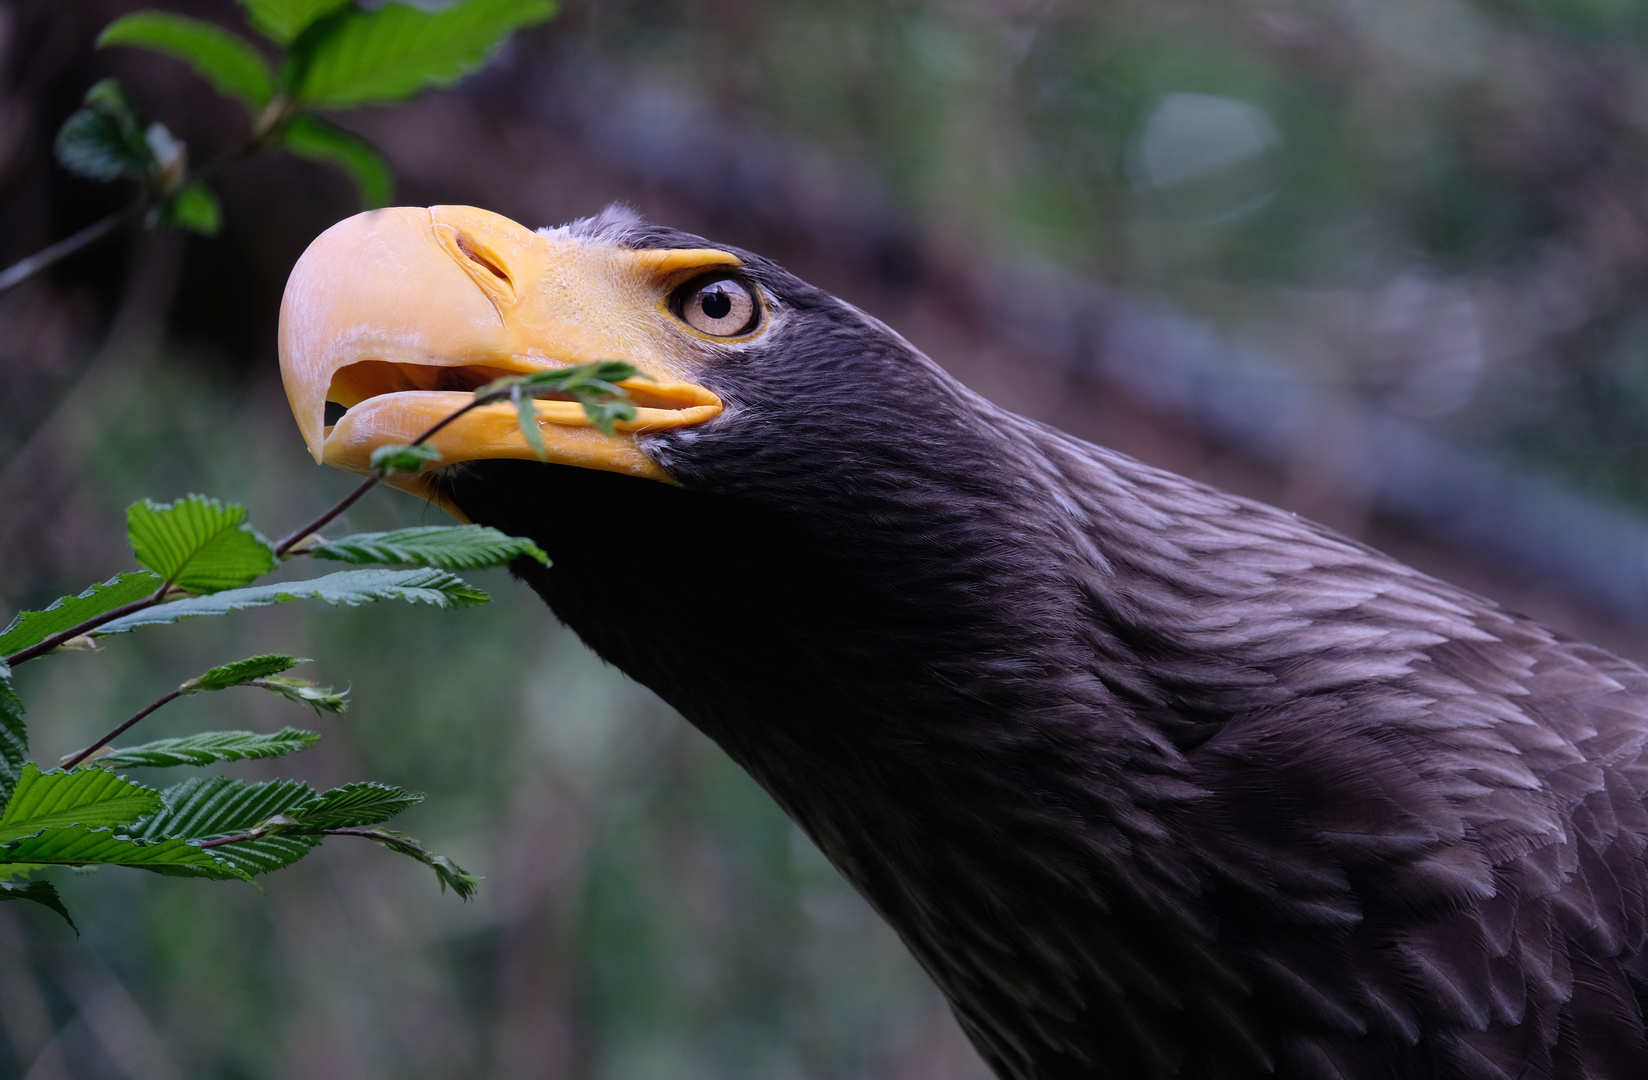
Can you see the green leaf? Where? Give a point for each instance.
(448, 873)
(600, 375)
(195, 208)
(83, 797)
(350, 587)
(318, 140)
(526, 416)
(81, 845)
(241, 672)
(198, 544)
(390, 54)
(594, 385)
(226, 61)
(14, 735)
(353, 805)
(400, 457)
(449, 547)
(214, 807)
(452, 876)
(208, 747)
(33, 627)
(307, 693)
(41, 892)
(283, 20)
(266, 853)
(604, 414)
(104, 140)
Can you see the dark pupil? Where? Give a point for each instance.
(716, 303)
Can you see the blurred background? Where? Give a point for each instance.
(1380, 263)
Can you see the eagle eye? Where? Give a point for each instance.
(720, 307)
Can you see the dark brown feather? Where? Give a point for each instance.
(1154, 781)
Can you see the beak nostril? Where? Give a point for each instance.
(481, 257)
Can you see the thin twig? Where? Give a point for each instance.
(485, 399)
(119, 731)
(326, 519)
(382, 836)
(291, 540)
(20, 271)
(46, 645)
(254, 834)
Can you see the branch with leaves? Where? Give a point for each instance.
(329, 54)
(201, 557)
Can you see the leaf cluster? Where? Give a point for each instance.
(314, 55)
(107, 140)
(202, 557)
(594, 385)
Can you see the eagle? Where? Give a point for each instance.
(1153, 780)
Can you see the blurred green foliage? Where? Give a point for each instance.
(1435, 204)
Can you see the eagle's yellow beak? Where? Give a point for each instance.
(396, 315)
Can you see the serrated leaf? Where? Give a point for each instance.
(350, 587)
(594, 385)
(104, 140)
(241, 672)
(208, 747)
(448, 547)
(448, 873)
(81, 845)
(40, 892)
(353, 805)
(196, 209)
(92, 797)
(33, 627)
(14, 735)
(304, 692)
(402, 457)
(213, 807)
(226, 61)
(452, 876)
(283, 20)
(314, 138)
(526, 417)
(198, 544)
(266, 853)
(390, 54)
(93, 144)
